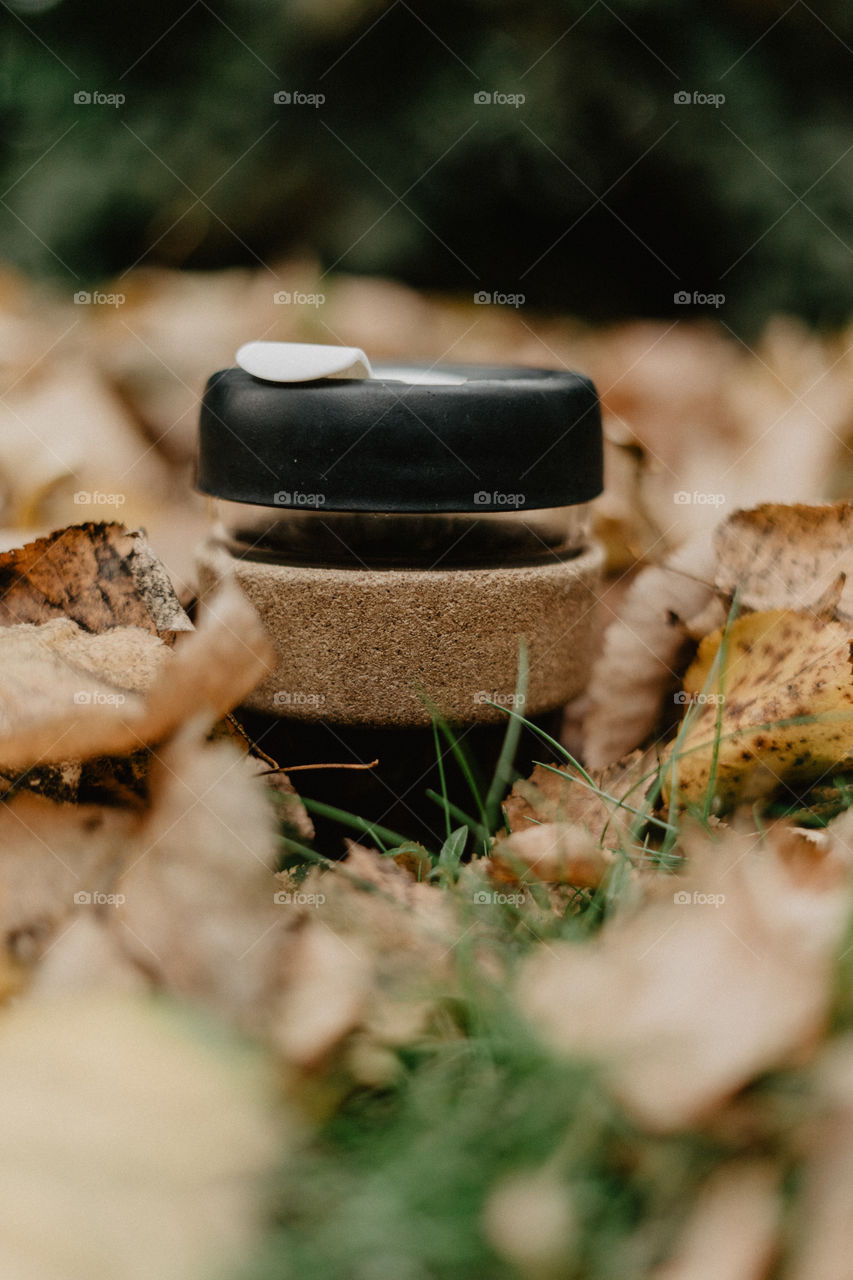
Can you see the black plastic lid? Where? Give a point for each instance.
(470, 438)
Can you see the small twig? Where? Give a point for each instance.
(295, 768)
(252, 746)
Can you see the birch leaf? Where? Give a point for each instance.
(786, 713)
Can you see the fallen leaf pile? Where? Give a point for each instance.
(765, 700)
(676, 972)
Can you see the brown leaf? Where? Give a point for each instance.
(48, 854)
(198, 911)
(689, 998)
(564, 797)
(645, 652)
(98, 575)
(326, 995)
(553, 852)
(132, 1144)
(732, 1229)
(53, 711)
(789, 557)
(823, 1223)
(378, 943)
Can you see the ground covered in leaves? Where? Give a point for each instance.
(613, 1036)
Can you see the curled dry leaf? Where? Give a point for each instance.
(197, 909)
(98, 575)
(65, 437)
(603, 812)
(86, 956)
(325, 997)
(382, 943)
(732, 1229)
(130, 1147)
(789, 557)
(531, 1220)
(816, 857)
(180, 896)
(45, 719)
(48, 854)
(691, 997)
(645, 652)
(553, 852)
(777, 709)
(823, 1224)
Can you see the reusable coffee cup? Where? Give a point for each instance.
(400, 528)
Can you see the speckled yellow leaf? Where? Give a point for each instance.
(784, 705)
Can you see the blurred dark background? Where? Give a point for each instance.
(599, 194)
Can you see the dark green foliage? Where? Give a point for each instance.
(598, 195)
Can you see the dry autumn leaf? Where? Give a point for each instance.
(690, 997)
(601, 806)
(788, 557)
(131, 1144)
(645, 651)
(98, 575)
(823, 1227)
(553, 852)
(732, 1231)
(54, 708)
(195, 883)
(775, 709)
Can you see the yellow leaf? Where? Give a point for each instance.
(782, 707)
